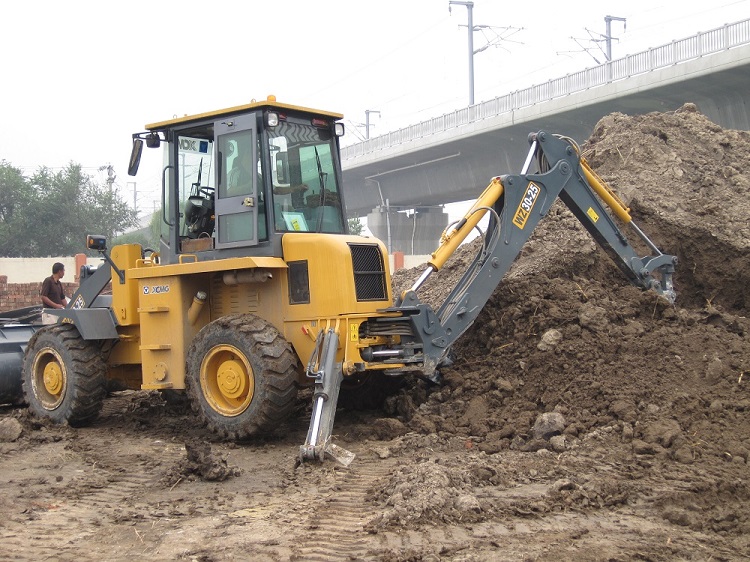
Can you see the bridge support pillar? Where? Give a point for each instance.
(415, 232)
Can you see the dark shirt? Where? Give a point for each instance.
(53, 290)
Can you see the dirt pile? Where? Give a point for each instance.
(687, 180)
(200, 462)
(643, 383)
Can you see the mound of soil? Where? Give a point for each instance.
(566, 354)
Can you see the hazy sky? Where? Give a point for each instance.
(81, 76)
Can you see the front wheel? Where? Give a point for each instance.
(64, 376)
(241, 376)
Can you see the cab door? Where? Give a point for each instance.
(237, 200)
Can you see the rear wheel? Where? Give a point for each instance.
(64, 376)
(241, 376)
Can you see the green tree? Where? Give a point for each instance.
(56, 210)
(15, 198)
(147, 237)
(355, 226)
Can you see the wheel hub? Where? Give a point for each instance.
(227, 380)
(49, 378)
(53, 378)
(231, 379)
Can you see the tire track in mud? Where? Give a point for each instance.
(96, 491)
(336, 531)
(46, 534)
(338, 528)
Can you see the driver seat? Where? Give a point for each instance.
(199, 216)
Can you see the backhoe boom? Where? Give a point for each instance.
(516, 204)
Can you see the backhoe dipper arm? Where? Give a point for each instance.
(516, 204)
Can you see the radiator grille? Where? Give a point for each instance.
(369, 272)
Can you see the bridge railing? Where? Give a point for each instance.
(682, 50)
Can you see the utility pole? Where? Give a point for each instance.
(135, 197)
(598, 39)
(110, 174)
(469, 8)
(491, 42)
(367, 121)
(608, 37)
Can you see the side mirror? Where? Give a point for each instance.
(96, 242)
(153, 140)
(282, 167)
(135, 157)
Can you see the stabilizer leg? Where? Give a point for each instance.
(328, 376)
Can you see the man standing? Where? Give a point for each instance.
(52, 293)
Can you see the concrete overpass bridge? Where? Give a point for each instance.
(452, 158)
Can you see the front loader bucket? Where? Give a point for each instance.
(13, 341)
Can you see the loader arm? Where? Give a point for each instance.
(91, 311)
(516, 204)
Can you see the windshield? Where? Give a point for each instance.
(305, 186)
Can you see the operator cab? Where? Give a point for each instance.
(245, 176)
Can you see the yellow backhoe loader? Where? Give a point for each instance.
(257, 289)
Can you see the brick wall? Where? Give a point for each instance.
(20, 295)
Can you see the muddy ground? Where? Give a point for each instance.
(582, 419)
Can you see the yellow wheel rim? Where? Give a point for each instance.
(227, 380)
(49, 378)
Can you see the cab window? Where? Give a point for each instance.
(305, 187)
(195, 178)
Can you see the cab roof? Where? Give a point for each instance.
(269, 102)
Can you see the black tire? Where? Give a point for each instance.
(64, 376)
(241, 376)
(368, 391)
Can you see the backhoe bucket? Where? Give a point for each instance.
(328, 376)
